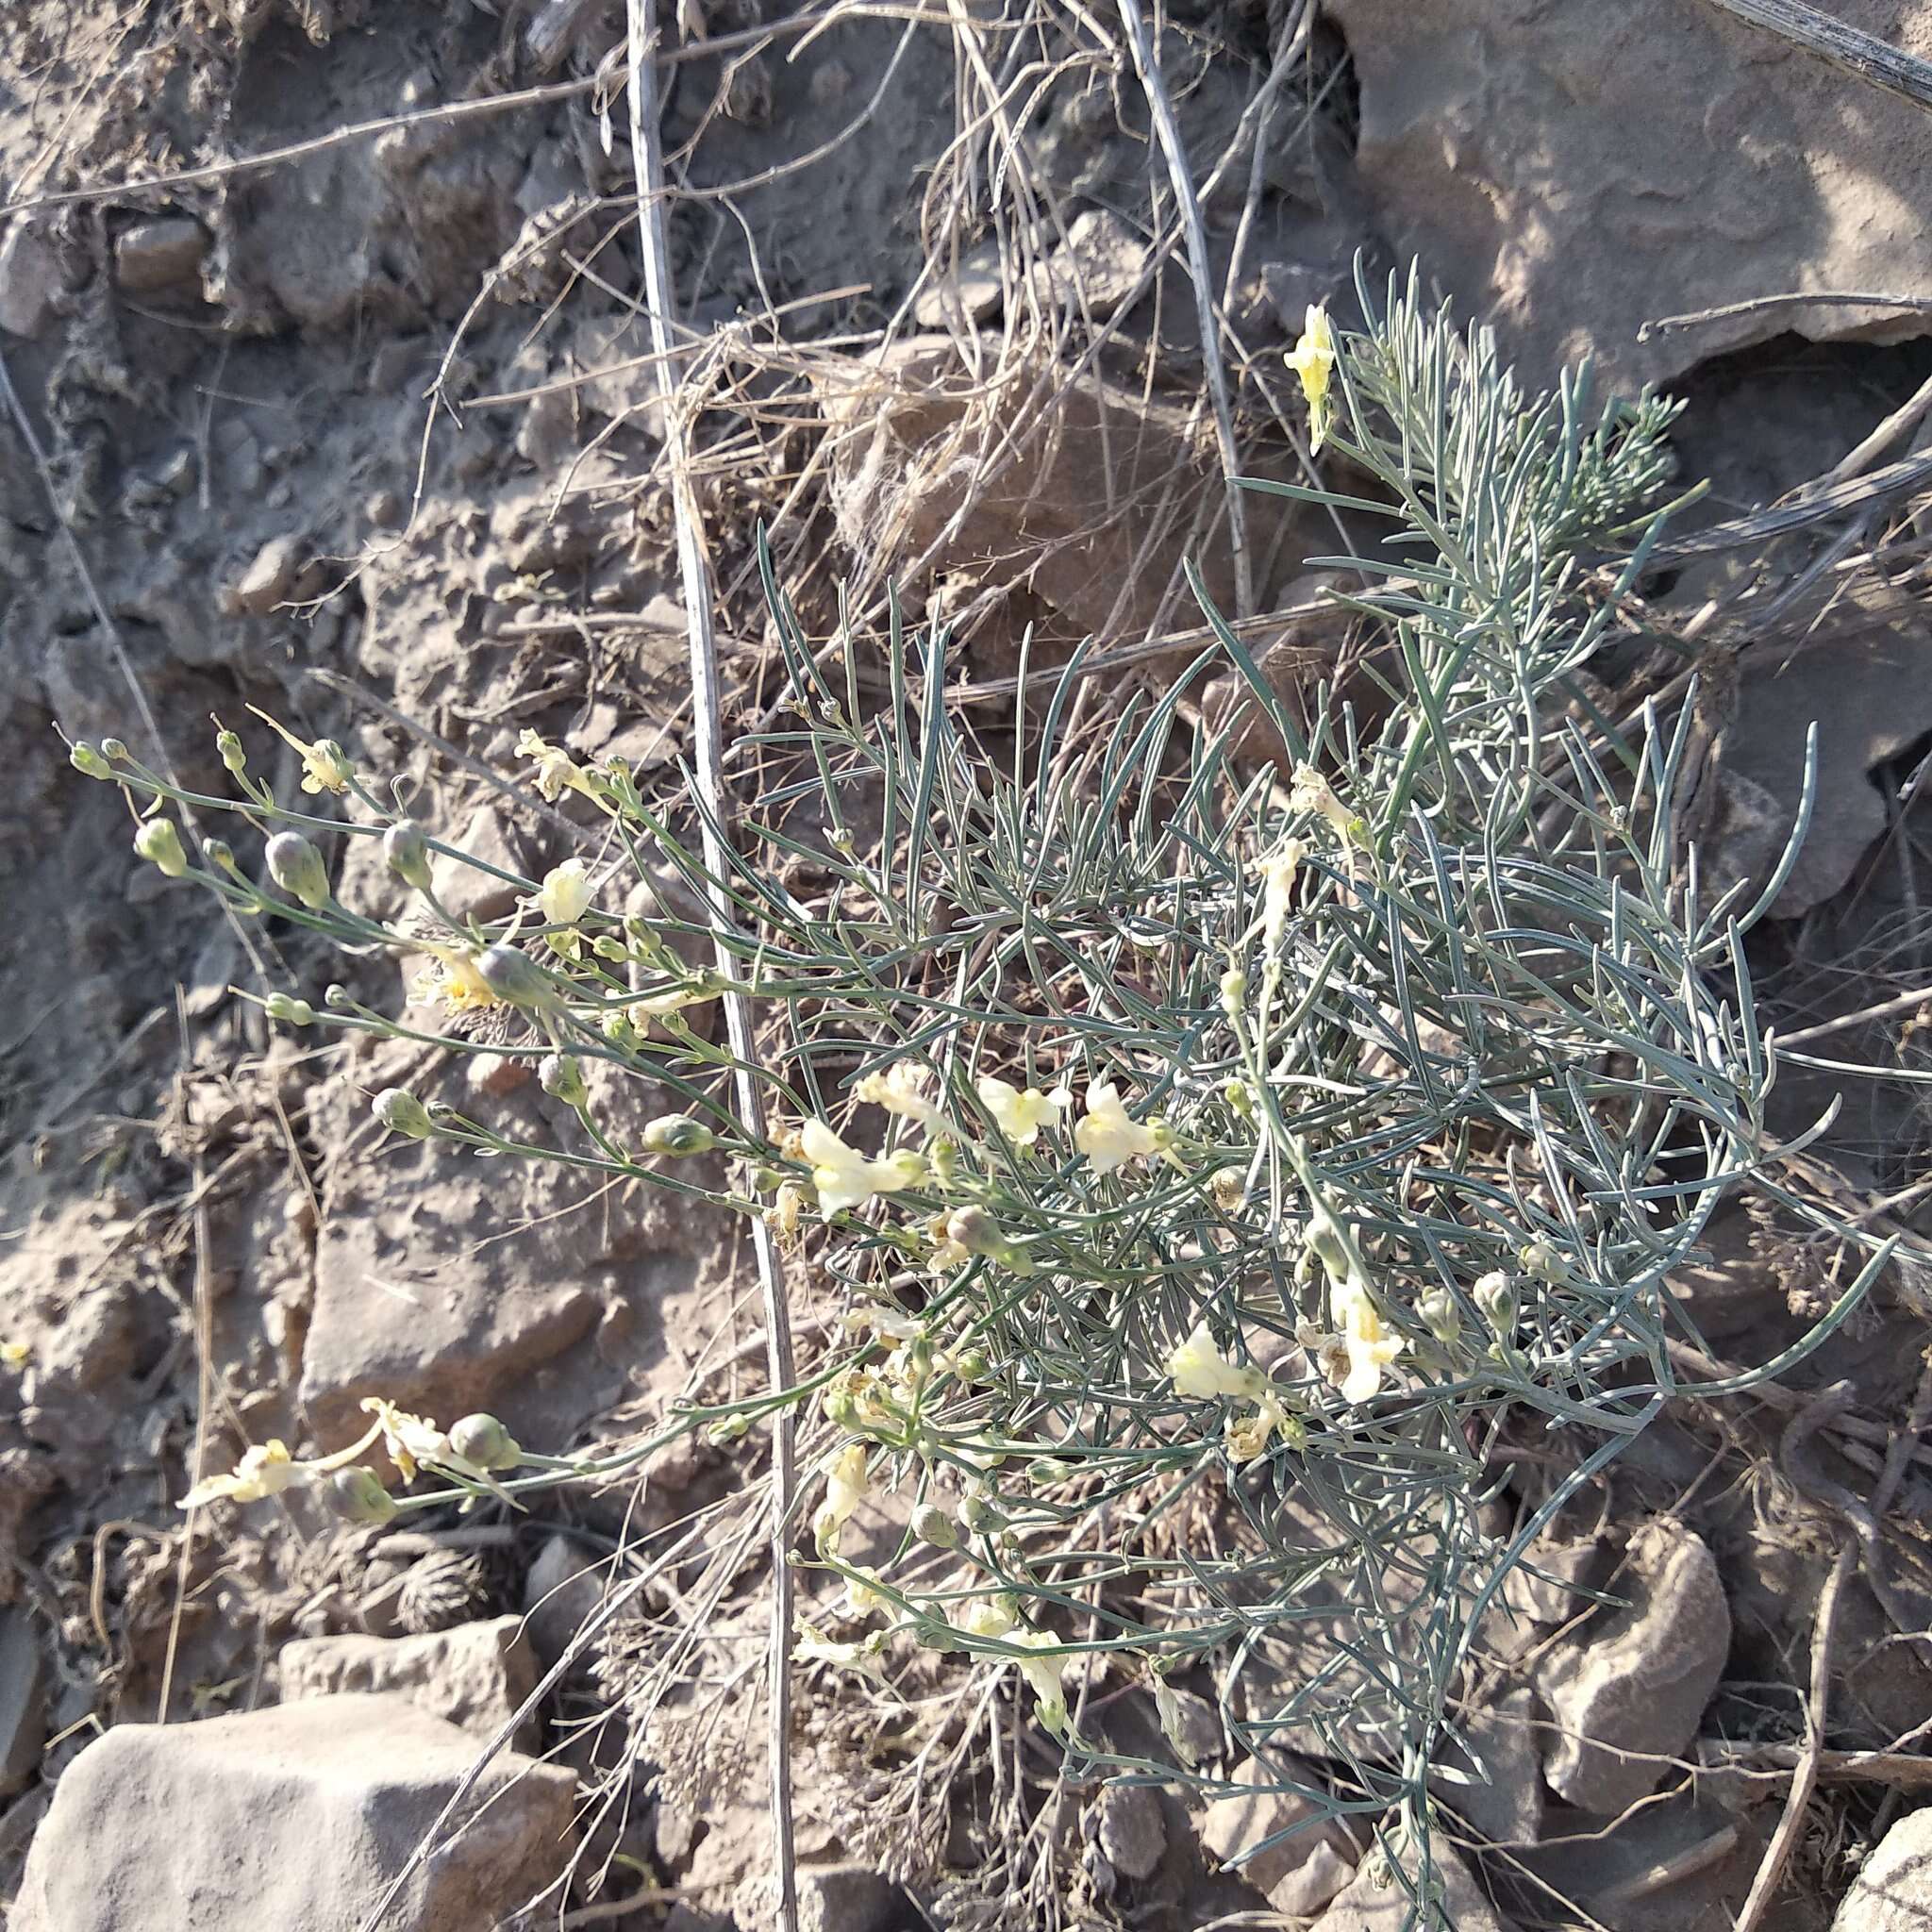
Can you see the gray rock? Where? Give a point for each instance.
(266, 581)
(831, 1898)
(1893, 1891)
(1380, 1901)
(1133, 1834)
(564, 1587)
(1626, 1691)
(490, 836)
(475, 1675)
(1300, 1874)
(160, 256)
(23, 1700)
(966, 296)
(297, 1816)
(29, 281)
(1497, 140)
(1494, 1781)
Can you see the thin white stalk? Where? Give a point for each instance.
(1154, 84)
(708, 763)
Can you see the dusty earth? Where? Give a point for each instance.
(363, 435)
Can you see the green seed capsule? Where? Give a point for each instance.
(484, 1440)
(401, 1112)
(288, 1010)
(563, 1078)
(408, 853)
(87, 759)
(357, 1496)
(296, 866)
(515, 977)
(159, 841)
(932, 1525)
(677, 1135)
(113, 750)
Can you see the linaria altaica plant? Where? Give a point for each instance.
(1214, 1166)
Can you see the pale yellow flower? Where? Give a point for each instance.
(1021, 1116)
(557, 770)
(454, 981)
(898, 1090)
(1042, 1674)
(325, 766)
(865, 1656)
(410, 1439)
(566, 892)
(1199, 1369)
(845, 1489)
(1248, 1436)
(861, 1598)
(15, 1355)
(268, 1469)
(1371, 1344)
(990, 1617)
(1107, 1135)
(1277, 891)
(1312, 360)
(1310, 792)
(845, 1178)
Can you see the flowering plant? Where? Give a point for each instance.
(1214, 1168)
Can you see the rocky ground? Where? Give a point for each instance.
(366, 436)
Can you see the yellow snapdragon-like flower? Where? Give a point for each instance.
(990, 1617)
(845, 1178)
(410, 1439)
(899, 1088)
(1107, 1135)
(1312, 360)
(1042, 1674)
(454, 981)
(867, 1656)
(557, 770)
(325, 766)
(1199, 1369)
(267, 1469)
(566, 892)
(1371, 1344)
(1310, 792)
(846, 1488)
(1021, 1116)
(1277, 892)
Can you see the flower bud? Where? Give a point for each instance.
(515, 977)
(357, 1496)
(677, 1134)
(288, 1010)
(401, 1112)
(484, 1440)
(1439, 1315)
(1539, 1259)
(559, 1076)
(981, 1514)
(221, 855)
(971, 1367)
(408, 852)
(228, 747)
(113, 750)
(159, 840)
(328, 763)
(976, 1231)
(88, 761)
(1496, 1299)
(1233, 991)
(296, 866)
(932, 1525)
